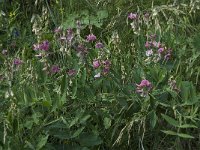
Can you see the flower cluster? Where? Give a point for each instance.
(55, 69)
(42, 46)
(132, 16)
(91, 37)
(17, 62)
(105, 66)
(99, 45)
(135, 24)
(144, 88)
(156, 50)
(72, 72)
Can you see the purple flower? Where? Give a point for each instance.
(70, 35)
(160, 50)
(55, 69)
(106, 70)
(144, 83)
(17, 61)
(107, 63)
(147, 44)
(99, 45)
(72, 72)
(144, 88)
(167, 56)
(42, 46)
(81, 49)
(132, 16)
(96, 64)
(91, 37)
(156, 44)
(149, 52)
(152, 36)
(45, 45)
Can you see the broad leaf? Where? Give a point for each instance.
(170, 120)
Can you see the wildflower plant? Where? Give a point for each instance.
(79, 77)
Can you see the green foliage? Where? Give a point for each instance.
(61, 88)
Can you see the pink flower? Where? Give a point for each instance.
(107, 63)
(156, 44)
(160, 50)
(55, 69)
(132, 16)
(91, 37)
(147, 44)
(17, 61)
(144, 88)
(99, 45)
(144, 83)
(152, 36)
(81, 49)
(70, 35)
(106, 68)
(149, 52)
(44, 45)
(96, 64)
(167, 56)
(72, 72)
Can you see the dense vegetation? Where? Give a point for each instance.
(99, 74)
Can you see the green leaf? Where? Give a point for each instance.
(153, 118)
(188, 126)
(97, 83)
(89, 139)
(183, 135)
(169, 132)
(28, 124)
(78, 132)
(46, 103)
(42, 142)
(185, 87)
(107, 122)
(73, 122)
(29, 145)
(83, 77)
(102, 14)
(62, 100)
(85, 118)
(63, 84)
(61, 134)
(170, 120)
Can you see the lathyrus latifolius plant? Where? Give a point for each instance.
(87, 80)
